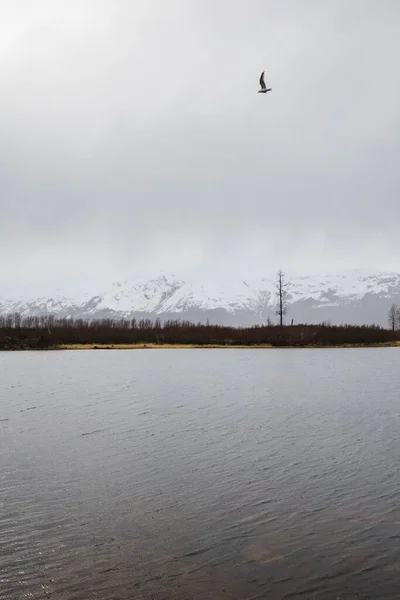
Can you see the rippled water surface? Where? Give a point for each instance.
(200, 474)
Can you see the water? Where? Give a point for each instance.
(200, 474)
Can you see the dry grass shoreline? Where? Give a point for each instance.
(205, 346)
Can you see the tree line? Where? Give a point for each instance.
(49, 331)
(17, 332)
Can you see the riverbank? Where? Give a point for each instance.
(67, 334)
(205, 346)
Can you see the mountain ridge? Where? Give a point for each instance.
(358, 297)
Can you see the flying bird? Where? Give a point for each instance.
(264, 88)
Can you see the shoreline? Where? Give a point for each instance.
(150, 346)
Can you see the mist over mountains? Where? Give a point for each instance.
(356, 297)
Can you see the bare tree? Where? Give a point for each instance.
(17, 320)
(281, 291)
(393, 317)
(398, 318)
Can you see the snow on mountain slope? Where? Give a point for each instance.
(355, 296)
(347, 287)
(172, 294)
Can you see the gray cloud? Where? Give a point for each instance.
(133, 137)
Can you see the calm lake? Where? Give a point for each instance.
(200, 474)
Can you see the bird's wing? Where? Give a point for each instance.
(262, 82)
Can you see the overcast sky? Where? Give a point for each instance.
(133, 139)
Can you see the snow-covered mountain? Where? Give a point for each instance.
(351, 297)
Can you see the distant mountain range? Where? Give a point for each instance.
(356, 297)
